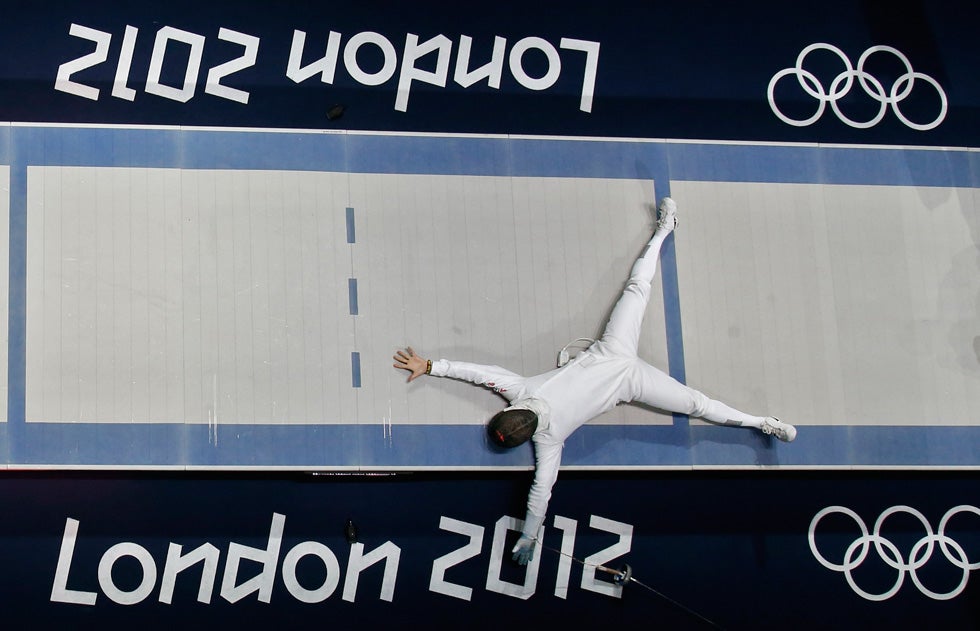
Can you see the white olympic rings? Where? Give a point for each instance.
(920, 554)
(843, 83)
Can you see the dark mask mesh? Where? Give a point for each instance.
(511, 428)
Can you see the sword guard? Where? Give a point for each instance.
(624, 575)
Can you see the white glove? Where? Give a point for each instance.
(524, 550)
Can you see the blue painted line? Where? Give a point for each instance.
(672, 302)
(745, 163)
(418, 154)
(350, 225)
(676, 367)
(676, 364)
(555, 158)
(422, 446)
(352, 295)
(672, 312)
(895, 168)
(521, 157)
(5, 144)
(355, 369)
(59, 146)
(4, 443)
(17, 308)
(250, 150)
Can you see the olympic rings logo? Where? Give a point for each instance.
(843, 83)
(920, 554)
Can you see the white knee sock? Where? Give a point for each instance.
(646, 266)
(721, 414)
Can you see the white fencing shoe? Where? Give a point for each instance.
(668, 215)
(783, 431)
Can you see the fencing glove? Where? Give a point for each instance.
(524, 550)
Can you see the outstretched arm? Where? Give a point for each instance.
(500, 380)
(547, 460)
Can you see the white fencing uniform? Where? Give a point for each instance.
(607, 373)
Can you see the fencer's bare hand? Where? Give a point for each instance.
(408, 360)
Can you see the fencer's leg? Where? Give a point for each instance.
(623, 329)
(655, 388)
(646, 265)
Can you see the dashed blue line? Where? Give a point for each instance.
(350, 225)
(352, 295)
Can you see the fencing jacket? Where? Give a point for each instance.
(564, 399)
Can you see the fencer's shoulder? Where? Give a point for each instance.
(541, 409)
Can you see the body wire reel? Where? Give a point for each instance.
(563, 356)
